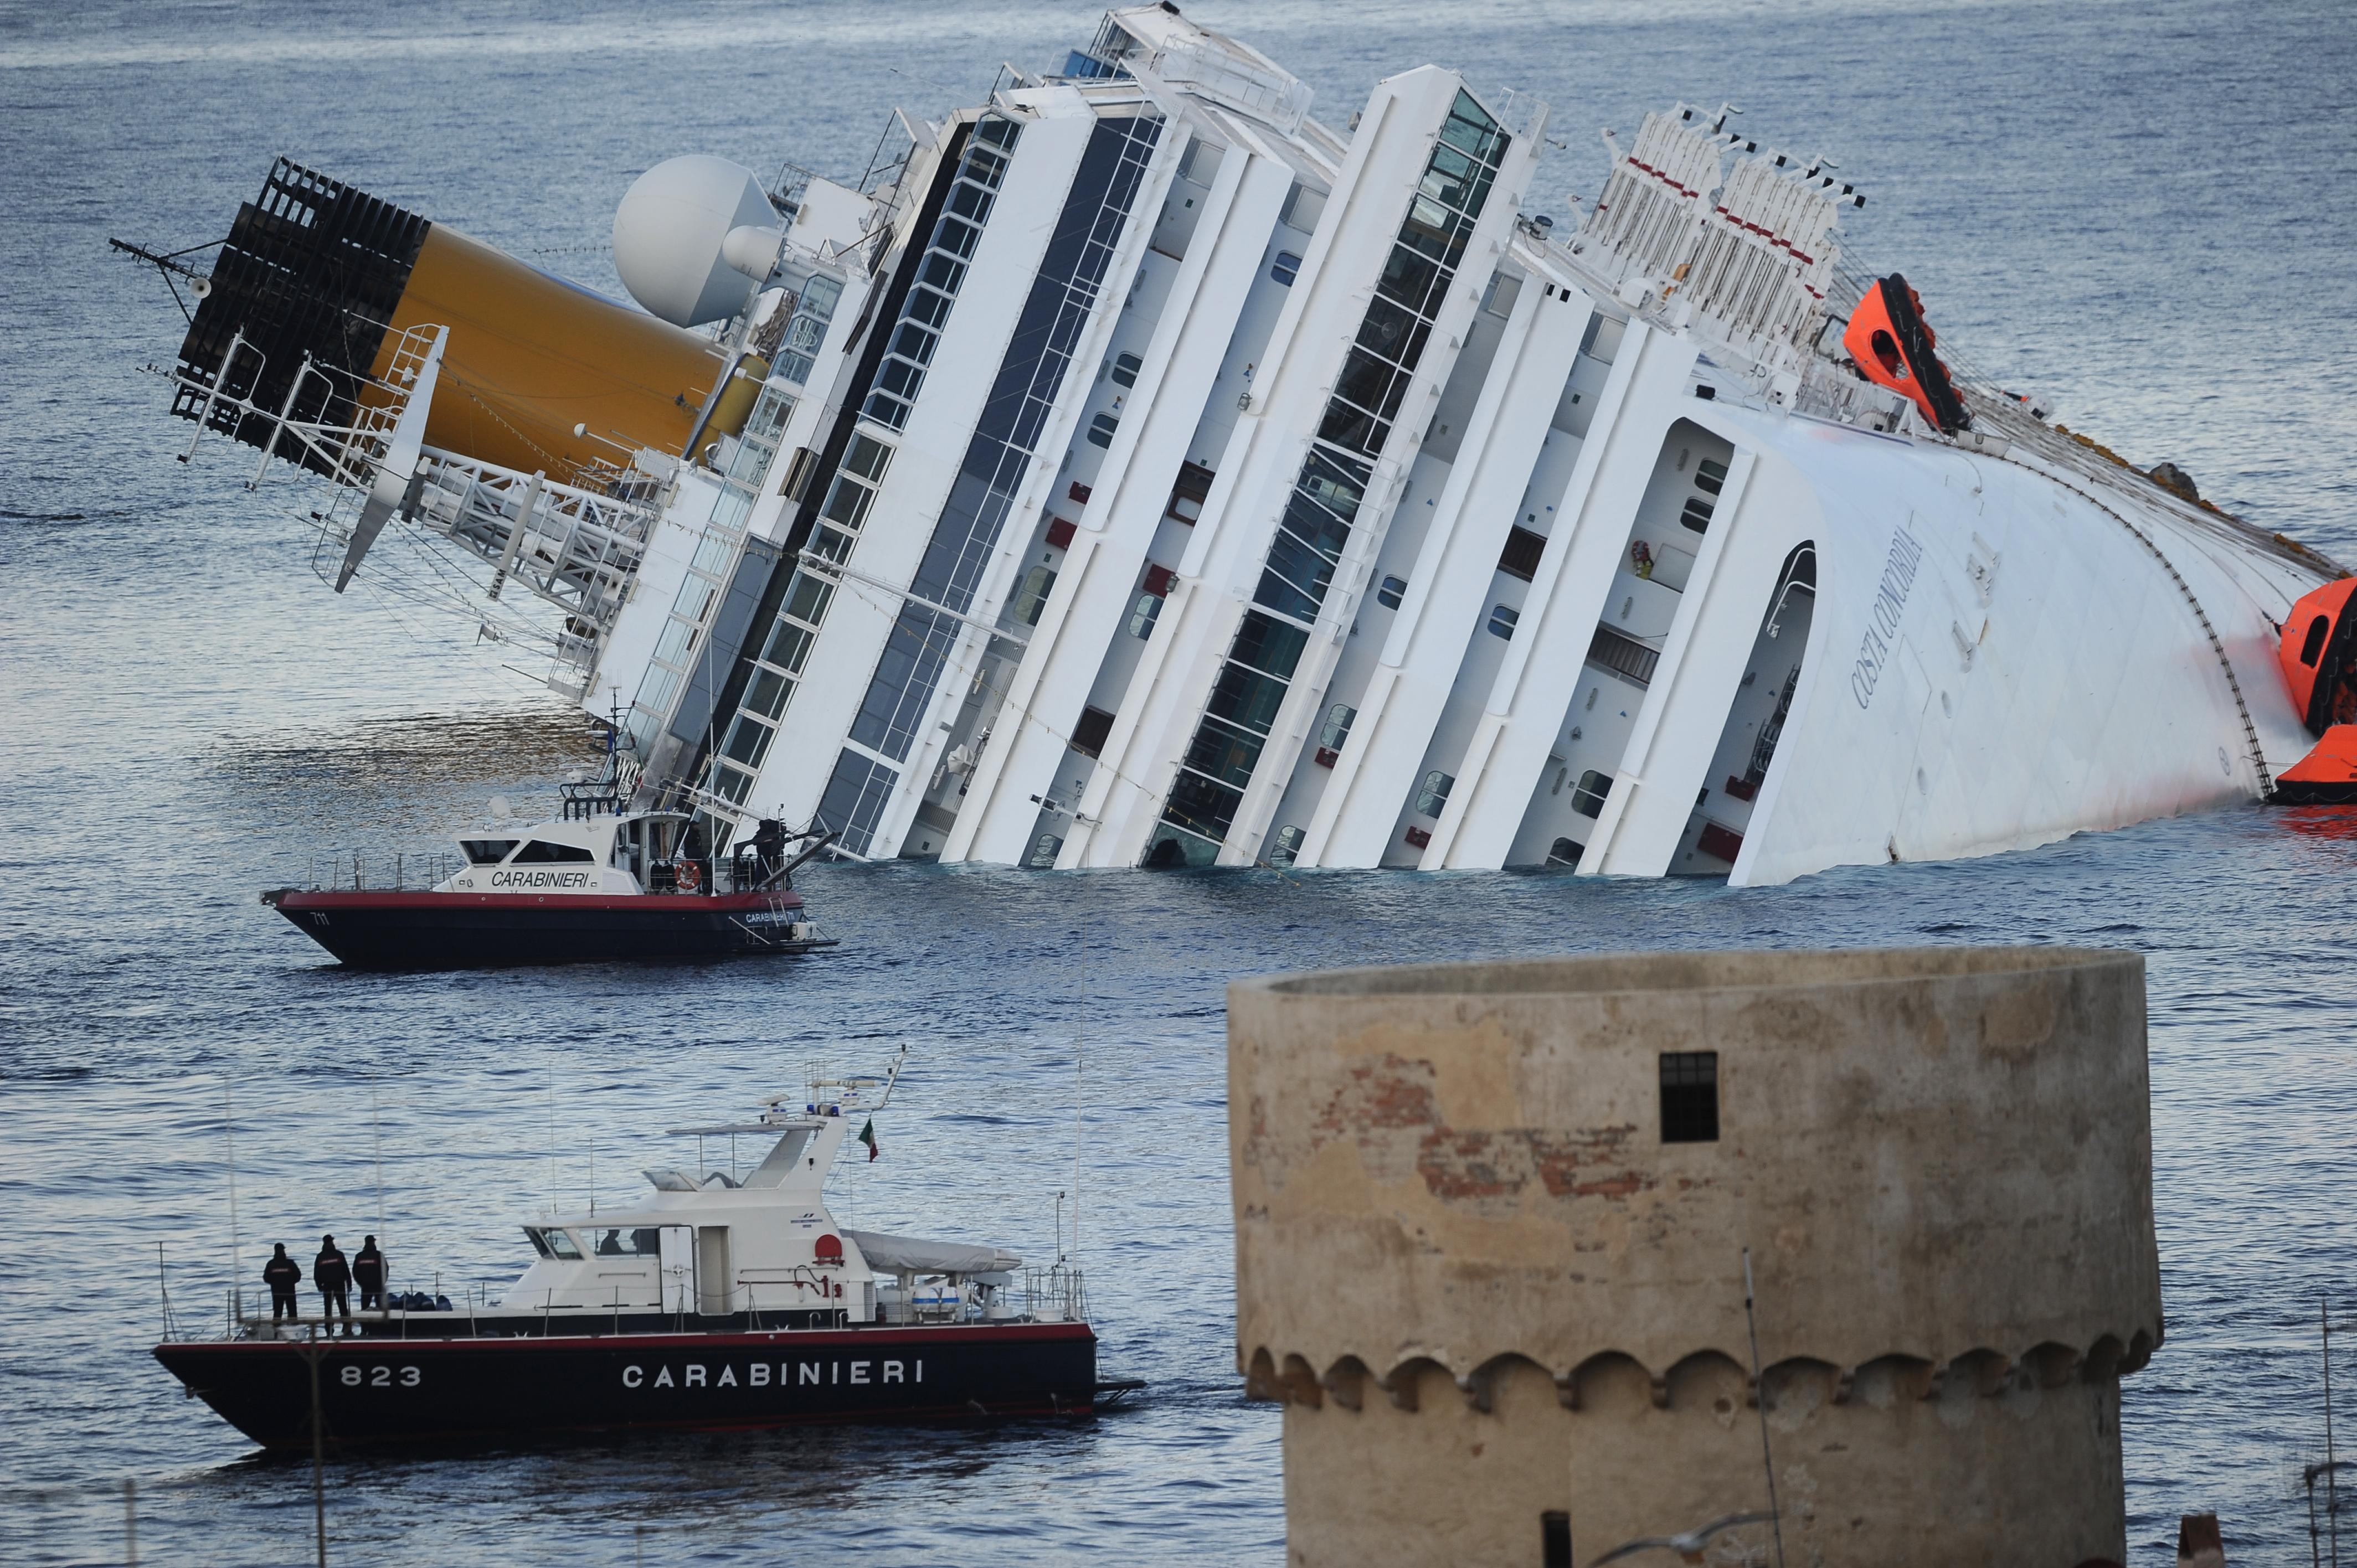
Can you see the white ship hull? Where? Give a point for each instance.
(1152, 476)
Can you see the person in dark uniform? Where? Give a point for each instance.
(333, 1275)
(282, 1274)
(368, 1273)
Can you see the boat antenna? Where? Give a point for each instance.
(376, 1132)
(551, 1143)
(893, 1076)
(2332, 1463)
(1079, 1103)
(228, 1137)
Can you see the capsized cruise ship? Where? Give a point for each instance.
(1143, 472)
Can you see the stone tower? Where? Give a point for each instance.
(1491, 1230)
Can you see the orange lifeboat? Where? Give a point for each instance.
(2325, 777)
(2316, 658)
(1891, 344)
(2320, 666)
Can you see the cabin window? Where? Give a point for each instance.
(749, 741)
(1286, 846)
(1186, 496)
(551, 1242)
(642, 1241)
(1285, 268)
(1044, 853)
(1101, 429)
(1710, 475)
(1588, 799)
(1689, 1097)
(1389, 592)
(1696, 514)
(766, 695)
(1434, 795)
(1089, 735)
(1564, 853)
(539, 852)
(1521, 556)
(1124, 369)
(1141, 619)
(2313, 649)
(1338, 726)
(1033, 599)
(486, 852)
(1502, 621)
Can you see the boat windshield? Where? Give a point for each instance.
(551, 1242)
(486, 852)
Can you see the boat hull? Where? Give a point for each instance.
(377, 1390)
(484, 931)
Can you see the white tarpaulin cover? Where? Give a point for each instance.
(906, 1256)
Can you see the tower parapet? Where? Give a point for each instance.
(1492, 1222)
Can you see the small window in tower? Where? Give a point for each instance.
(1044, 853)
(1689, 1097)
(1710, 475)
(1564, 853)
(1554, 1540)
(1101, 429)
(1697, 515)
(1124, 369)
(1286, 267)
(1286, 846)
(1502, 621)
(1389, 592)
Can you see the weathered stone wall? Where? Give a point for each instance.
(1488, 1289)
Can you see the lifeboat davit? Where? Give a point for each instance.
(1892, 344)
(2320, 666)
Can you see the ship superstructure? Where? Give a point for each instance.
(1145, 473)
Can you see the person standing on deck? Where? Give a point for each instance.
(333, 1275)
(282, 1274)
(368, 1273)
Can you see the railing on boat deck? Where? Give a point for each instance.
(1055, 1295)
(352, 871)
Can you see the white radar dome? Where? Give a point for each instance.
(669, 231)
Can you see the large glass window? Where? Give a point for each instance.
(1376, 373)
(940, 272)
(1064, 293)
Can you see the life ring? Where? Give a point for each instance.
(686, 874)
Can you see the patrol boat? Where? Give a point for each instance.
(726, 1298)
(598, 882)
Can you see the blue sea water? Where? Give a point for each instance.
(2137, 210)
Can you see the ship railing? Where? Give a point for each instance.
(352, 871)
(1058, 1293)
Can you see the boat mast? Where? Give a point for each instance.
(229, 1136)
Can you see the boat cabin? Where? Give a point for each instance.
(744, 1234)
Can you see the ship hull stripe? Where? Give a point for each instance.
(377, 1390)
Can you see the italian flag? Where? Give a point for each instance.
(867, 1136)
